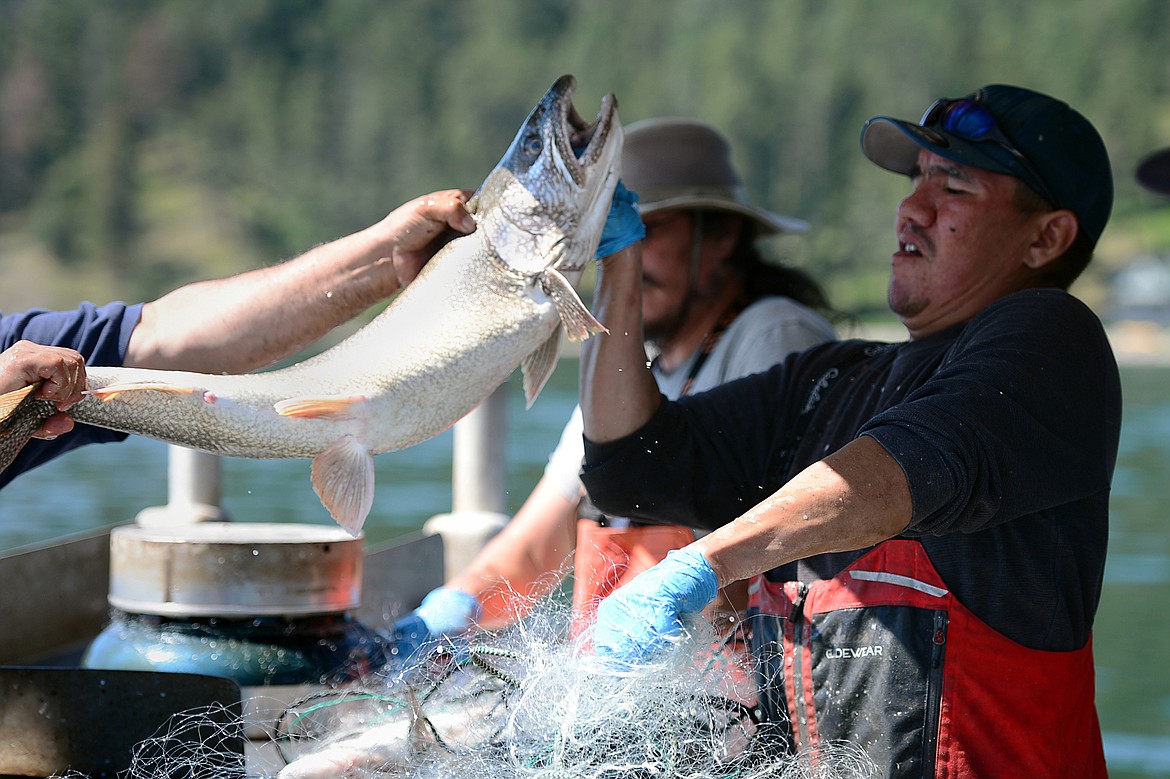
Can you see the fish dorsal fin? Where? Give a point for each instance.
(538, 366)
(578, 322)
(343, 476)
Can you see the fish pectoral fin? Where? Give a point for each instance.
(343, 477)
(538, 366)
(579, 322)
(336, 407)
(114, 391)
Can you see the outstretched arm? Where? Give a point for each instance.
(251, 320)
(852, 499)
(525, 560)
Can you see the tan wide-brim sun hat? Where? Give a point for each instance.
(681, 163)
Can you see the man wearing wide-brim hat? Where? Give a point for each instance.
(714, 310)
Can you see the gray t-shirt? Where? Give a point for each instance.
(758, 338)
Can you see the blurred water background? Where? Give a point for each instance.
(109, 484)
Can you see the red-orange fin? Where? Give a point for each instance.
(114, 391)
(329, 407)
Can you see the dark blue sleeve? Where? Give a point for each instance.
(1022, 417)
(100, 333)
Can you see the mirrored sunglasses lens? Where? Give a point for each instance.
(968, 120)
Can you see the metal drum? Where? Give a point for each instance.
(262, 604)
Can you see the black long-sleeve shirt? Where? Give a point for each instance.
(1006, 427)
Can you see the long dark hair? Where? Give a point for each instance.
(761, 277)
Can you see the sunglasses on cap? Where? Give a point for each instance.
(973, 121)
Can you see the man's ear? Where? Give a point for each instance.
(1056, 231)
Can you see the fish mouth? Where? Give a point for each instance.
(568, 168)
(581, 144)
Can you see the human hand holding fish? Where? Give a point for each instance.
(624, 224)
(412, 234)
(48, 373)
(505, 293)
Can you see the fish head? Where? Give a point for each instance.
(546, 201)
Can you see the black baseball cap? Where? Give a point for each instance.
(1153, 172)
(1005, 129)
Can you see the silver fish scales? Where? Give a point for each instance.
(487, 302)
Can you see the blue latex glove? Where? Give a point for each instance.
(443, 612)
(639, 619)
(624, 225)
(446, 611)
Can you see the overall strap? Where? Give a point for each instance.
(712, 338)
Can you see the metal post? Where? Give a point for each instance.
(193, 489)
(478, 467)
(478, 484)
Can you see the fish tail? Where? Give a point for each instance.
(21, 413)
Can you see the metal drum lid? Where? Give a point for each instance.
(230, 569)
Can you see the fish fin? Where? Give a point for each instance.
(21, 413)
(579, 322)
(114, 391)
(336, 407)
(10, 401)
(538, 365)
(343, 476)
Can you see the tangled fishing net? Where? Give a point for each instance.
(524, 703)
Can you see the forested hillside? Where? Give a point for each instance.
(144, 143)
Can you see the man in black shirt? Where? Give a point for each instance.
(924, 523)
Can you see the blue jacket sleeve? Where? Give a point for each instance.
(100, 333)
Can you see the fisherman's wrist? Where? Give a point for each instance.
(699, 585)
(621, 258)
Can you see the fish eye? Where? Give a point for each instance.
(533, 145)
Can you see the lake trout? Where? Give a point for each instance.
(499, 297)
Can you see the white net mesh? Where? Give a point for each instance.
(522, 703)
